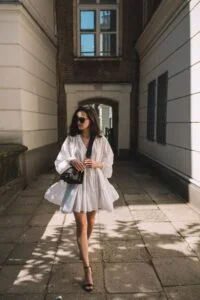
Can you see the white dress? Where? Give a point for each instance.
(95, 192)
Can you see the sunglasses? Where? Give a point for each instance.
(81, 119)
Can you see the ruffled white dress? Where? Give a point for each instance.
(95, 192)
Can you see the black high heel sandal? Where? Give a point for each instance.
(88, 287)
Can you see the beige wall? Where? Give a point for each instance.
(171, 42)
(28, 106)
(43, 12)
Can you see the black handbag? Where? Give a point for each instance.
(73, 176)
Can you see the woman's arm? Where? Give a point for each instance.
(107, 158)
(65, 156)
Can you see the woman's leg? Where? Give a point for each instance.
(82, 240)
(81, 235)
(90, 222)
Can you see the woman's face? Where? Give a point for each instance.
(83, 121)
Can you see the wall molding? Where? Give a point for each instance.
(164, 15)
(20, 11)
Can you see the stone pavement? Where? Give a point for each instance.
(148, 248)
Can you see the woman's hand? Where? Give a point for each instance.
(90, 163)
(78, 165)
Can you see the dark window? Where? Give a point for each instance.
(161, 108)
(151, 110)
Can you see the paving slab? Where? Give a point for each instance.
(182, 214)
(187, 228)
(14, 221)
(194, 243)
(68, 278)
(119, 230)
(20, 209)
(183, 292)
(22, 279)
(131, 190)
(150, 215)
(5, 250)
(32, 253)
(78, 296)
(95, 248)
(136, 196)
(32, 193)
(157, 189)
(142, 205)
(22, 296)
(165, 247)
(139, 296)
(137, 277)
(157, 229)
(42, 233)
(47, 208)
(178, 270)
(124, 251)
(56, 219)
(67, 252)
(119, 214)
(172, 206)
(11, 234)
(26, 200)
(165, 198)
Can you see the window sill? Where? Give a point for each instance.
(98, 58)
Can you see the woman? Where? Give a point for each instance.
(95, 192)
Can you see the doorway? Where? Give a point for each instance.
(108, 112)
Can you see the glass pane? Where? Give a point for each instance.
(95, 1)
(87, 19)
(87, 44)
(87, 1)
(108, 44)
(108, 20)
(108, 1)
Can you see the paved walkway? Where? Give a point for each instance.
(148, 248)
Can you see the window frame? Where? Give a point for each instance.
(151, 110)
(161, 108)
(97, 7)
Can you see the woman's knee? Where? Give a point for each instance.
(91, 219)
(81, 222)
(91, 222)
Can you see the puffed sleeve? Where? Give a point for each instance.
(65, 155)
(107, 158)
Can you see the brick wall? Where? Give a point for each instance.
(71, 70)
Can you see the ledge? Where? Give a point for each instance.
(158, 24)
(98, 58)
(11, 149)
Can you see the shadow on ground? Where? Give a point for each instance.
(148, 248)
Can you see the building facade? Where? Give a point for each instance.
(169, 101)
(139, 58)
(97, 63)
(28, 93)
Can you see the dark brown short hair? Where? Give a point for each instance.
(92, 116)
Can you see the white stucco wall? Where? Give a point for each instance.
(117, 92)
(171, 42)
(28, 108)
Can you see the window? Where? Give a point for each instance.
(97, 28)
(149, 7)
(151, 110)
(161, 108)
